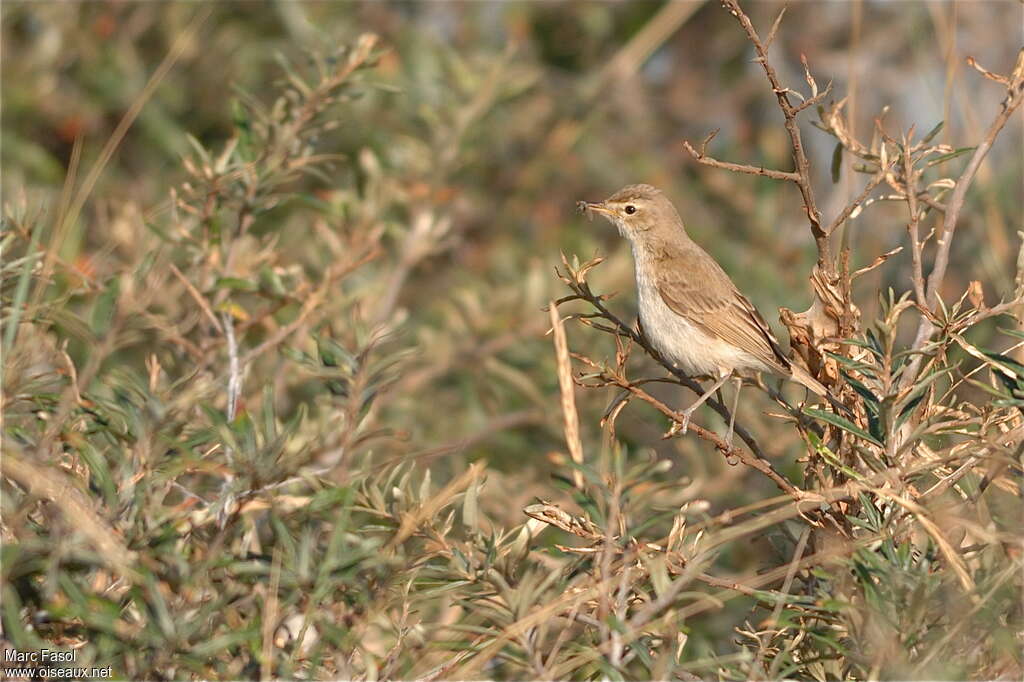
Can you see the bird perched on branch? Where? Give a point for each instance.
(690, 310)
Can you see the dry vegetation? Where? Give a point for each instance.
(291, 391)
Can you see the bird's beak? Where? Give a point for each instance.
(589, 206)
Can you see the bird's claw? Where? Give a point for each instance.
(679, 427)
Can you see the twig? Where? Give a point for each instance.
(910, 178)
(944, 241)
(802, 165)
(702, 158)
(234, 389)
(52, 484)
(1015, 94)
(857, 202)
(234, 371)
(752, 460)
(330, 277)
(811, 101)
(204, 305)
(786, 584)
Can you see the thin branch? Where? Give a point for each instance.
(752, 460)
(817, 99)
(312, 303)
(789, 112)
(910, 178)
(700, 157)
(234, 371)
(1014, 97)
(858, 201)
(53, 484)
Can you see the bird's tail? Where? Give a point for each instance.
(803, 377)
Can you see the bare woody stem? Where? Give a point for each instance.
(913, 226)
(944, 240)
(802, 176)
(706, 160)
(748, 458)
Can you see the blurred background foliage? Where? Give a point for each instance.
(384, 263)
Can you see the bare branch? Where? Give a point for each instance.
(204, 305)
(53, 484)
(910, 177)
(700, 157)
(875, 263)
(988, 74)
(1014, 97)
(802, 165)
(752, 460)
(816, 99)
(857, 202)
(234, 371)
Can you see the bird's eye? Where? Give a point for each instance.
(631, 209)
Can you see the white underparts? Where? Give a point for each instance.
(680, 341)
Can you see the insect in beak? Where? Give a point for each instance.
(590, 207)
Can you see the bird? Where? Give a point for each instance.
(690, 309)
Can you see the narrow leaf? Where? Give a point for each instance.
(841, 422)
(837, 162)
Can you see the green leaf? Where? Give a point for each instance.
(913, 399)
(837, 162)
(21, 291)
(1005, 363)
(947, 157)
(270, 283)
(872, 512)
(871, 401)
(876, 345)
(855, 365)
(235, 283)
(831, 458)
(100, 472)
(933, 132)
(106, 305)
(1017, 333)
(243, 126)
(841, 422)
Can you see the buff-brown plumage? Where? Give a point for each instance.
(689, 307)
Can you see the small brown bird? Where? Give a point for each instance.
(689, 308)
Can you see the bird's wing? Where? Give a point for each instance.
(706, 297)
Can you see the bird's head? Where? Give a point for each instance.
(639, 211)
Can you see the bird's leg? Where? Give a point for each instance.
(735, 405)
(683, 425)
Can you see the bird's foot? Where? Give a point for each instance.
(679, 427)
